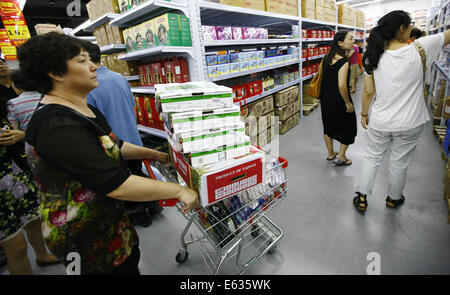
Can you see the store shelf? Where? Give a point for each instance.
(143, 89)
(153, 131)
(345, 26)
(257, 70)
(267, 93)
(316, 57)
(317, 39)
(87, 38)
(309, 77)
(148, 10)
(112, 48)
(317, 22)
(132, 78)
(220, 14)
(100, 21)
(80, 28)
(249, 42)
(143, 53)
(442, 70)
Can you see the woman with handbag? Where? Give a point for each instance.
(338, 115)
(18, 200)
(395, 71)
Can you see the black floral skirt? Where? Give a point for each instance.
(18, 200)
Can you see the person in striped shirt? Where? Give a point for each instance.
(21, 108)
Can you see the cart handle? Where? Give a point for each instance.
(162, 203)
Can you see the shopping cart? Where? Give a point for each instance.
(235, 227)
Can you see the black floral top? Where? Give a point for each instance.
(75, 165)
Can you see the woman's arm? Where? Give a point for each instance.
(343, 87)
(134, 152)
(368, 92)
(141, 189)
(10, 137)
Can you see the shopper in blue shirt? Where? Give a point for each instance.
(114, 99)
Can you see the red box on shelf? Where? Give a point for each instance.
(184, 69)
(170, 71)
(157, 73)
(140, 110)
(305, 52)
(304, 71)
(254, 88)
(141, 73)
(240, 92)
(308, 70)
(316, 51)
(321, 50)
(314, 34)
(315, 68)
(151, 113)
(309, 34)
(310, 52)
(148, 75)
(319, 34)
(304, 34)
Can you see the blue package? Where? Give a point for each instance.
(234, 57)
(223, 58)
(211, 60)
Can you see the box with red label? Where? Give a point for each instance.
(321, 50)
(316, 51)
(314, 34)
(319, 34)
(308, 70)
(240, 92)
(223, 179)
(304, 34)
(158, 74)
(173, 71)
(305, 52)
(184, 69)
(304, 71)
(315, 68)
(147, 112)
(142, 75)
(139, 115)
(310, 52)
(254, 88)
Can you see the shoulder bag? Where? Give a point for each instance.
(423, 56)
(315, 85)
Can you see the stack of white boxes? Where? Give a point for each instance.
(202, 121)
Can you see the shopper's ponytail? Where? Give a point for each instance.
(386, 31)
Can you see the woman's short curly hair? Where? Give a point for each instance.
(44, 54)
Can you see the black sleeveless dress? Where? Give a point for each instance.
(337, 123)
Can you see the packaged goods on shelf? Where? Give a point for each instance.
(319, 10)
(167, 28)
(185, 97)
(248, 33)
(209, 33)
(289, 123)
(224, 178)
(288, 110)
(147, 114)
(185, 30)
(236, 33)
(239, 3)
(114, 34)
(257, 108)
(291, 7)
(47, 28)
(309, 9)
(286, 96)
(258, 125)
(166, 70)
(224, 33)
(254, 4)
(346, 14)
(97, 8)
(275, 6)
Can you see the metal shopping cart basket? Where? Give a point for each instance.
(237, 227)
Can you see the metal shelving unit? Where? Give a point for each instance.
(112, 48)
(157, 50)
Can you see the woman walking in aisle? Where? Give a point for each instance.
(394, 71)
(338, 115)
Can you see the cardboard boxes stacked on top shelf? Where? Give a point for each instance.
(107, 35)
(323, 10)
(289, 7)
(350, 16)
(165, 30)
(98, 8)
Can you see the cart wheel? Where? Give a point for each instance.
(273, 249)
(255, 231)
(182, 256)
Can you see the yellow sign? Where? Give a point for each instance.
(9, 50)
(18, 32)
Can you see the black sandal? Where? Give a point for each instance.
(328, 159)
(339, 162)
(359, 200)
(390, 203)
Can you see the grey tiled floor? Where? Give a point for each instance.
(323, 232)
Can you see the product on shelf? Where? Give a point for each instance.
(185, 30)
(236, 33)
(167, 28)
(209, 33)
(286, 96)
(291, 7)
(309, 9)
(147, 114)
(329, 11)
(96, 9)
(166, 70)
(346, 14)
(255, 4)
(224, 33)
(257, 108)
(288, 110)
(289, 123)
(275, 6)
(319, 11)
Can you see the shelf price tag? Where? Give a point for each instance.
(14, 22)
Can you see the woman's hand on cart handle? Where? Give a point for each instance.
(189, 199)
(163, 158)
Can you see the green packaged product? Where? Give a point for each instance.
(168, 29)
(185, 30)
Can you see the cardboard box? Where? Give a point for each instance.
(185, 30)
(275, 6)
(111, 6)
(138, 33)
(291, 7)
(309, 9)
(193, 96)
(257, 108)
(288, 110)
(184, 68)
(289, 123)
(217, 181)
(117, 34)
(239, 3)
(286, 96)
(255, 4)
(128, 38)
(168, 29)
